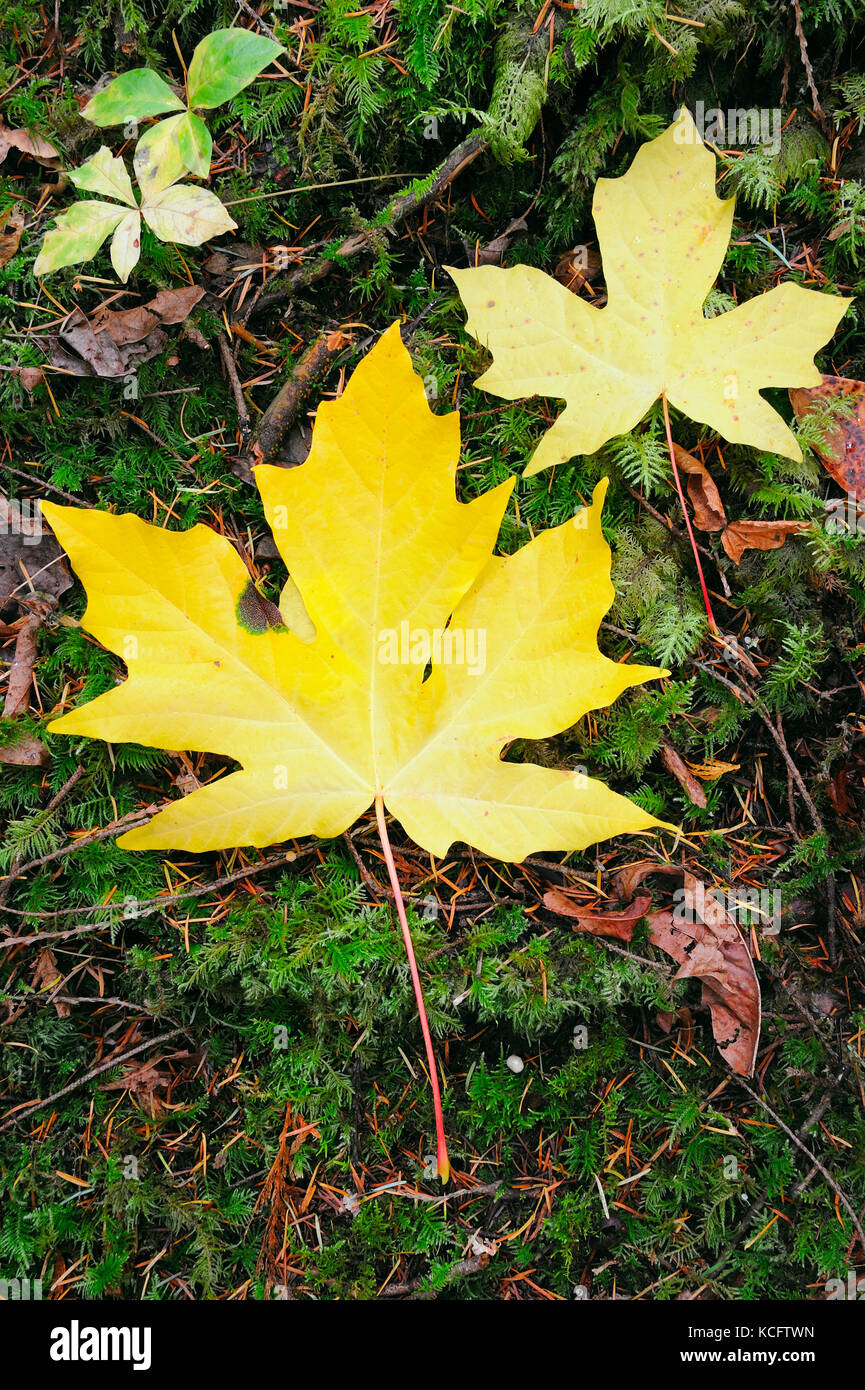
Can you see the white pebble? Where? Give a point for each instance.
(515, 1063)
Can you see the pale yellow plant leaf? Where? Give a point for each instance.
(158, 161)
(77, 235)
(663, 234)
(186, 214)
(105, 173)
(126, 246)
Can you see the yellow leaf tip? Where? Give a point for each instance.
(684, 128)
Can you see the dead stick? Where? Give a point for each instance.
(806, 61)
(148, 905)
(402, 206)
(236, 389)
(286, 405)
(22, 1114)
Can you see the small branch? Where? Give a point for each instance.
(236, 389)
(401, 207)
(147, 905)
(289, 400)
(22, 1114)
(806, 61)
(130, 822)
(258, 19)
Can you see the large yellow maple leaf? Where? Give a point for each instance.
(394, 573)
(663, 235)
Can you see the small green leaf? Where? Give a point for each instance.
(196, 144)
(133, 96)
(105, 173)
(78, 235)
(226, 62)
(126, 246)
(158, 161)
(186, 214)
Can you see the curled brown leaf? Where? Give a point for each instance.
(759, 535)
(686, 779)
(32, 145)
(709, 514)
(618, 924)
(704, 942)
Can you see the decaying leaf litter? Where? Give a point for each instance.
(473, 895)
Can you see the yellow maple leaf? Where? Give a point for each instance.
(394, 573)
(663, 234)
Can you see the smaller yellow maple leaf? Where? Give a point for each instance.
(328, 709)
(663, 235)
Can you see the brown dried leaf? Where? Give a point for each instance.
(45, 975)
(231, 264)
(139, 1078)
(630, 878)
(492, 253)
(759, 535)
(26, 548)
(21, 671)
(132, 325)
(30, 377)
(709, 514)
(142, 1082)
(843, 453)
(714, 951)
(665, 1019)
(98, 355)
(674, 764)
(112, 342)
(11, 227)
(708, 947)
(25, 143)
(28, 751)
(618, 924)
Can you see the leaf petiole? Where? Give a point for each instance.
(713, 626)
(442, 1160)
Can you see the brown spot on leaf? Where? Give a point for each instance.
(256, 614)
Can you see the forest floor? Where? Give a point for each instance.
(212, 1082)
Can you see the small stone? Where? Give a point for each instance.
(515, 1063)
